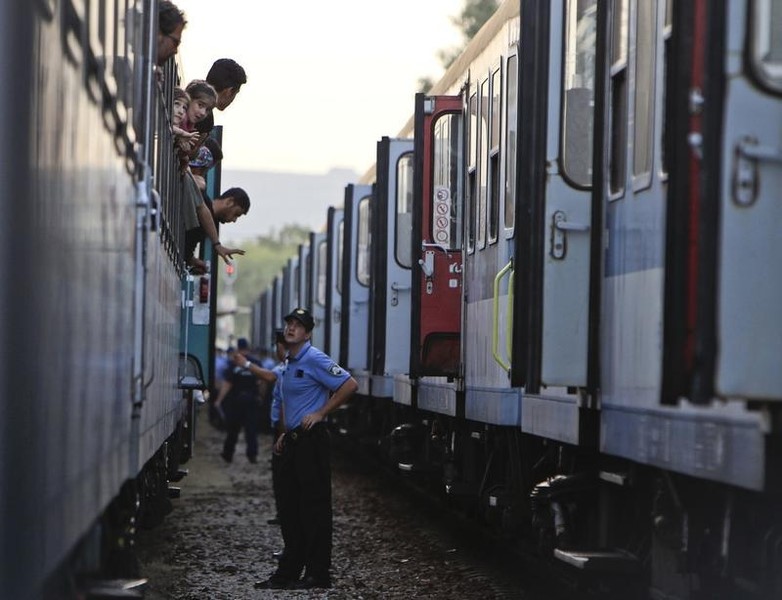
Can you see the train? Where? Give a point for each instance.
(106, 335)
(557, 288)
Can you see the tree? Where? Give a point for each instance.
(263, 261)
(473, 16)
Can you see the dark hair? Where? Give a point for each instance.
(239, 196)
(198, 88)
(226, 73)
(169, 17)
(214, 147)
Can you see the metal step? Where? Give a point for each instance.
(600, 561)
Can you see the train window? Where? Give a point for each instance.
(340, 248)
(643, 118)
(618, 118)
(766, 43)
(447, 222)
(511, 140)
(579, 91)
(483, 163)
(320, 297)
(364, 241)
(404, 210)
(667, 30)
(494, 155)
(472, 144)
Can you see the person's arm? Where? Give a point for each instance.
(257, 370)
(224, 389)
(208, 225)
(337, 399)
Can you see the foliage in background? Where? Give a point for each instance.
(474, 14)
(262, 262)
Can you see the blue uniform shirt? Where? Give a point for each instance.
(307, 382)
(276, 398)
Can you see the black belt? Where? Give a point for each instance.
(298, 432)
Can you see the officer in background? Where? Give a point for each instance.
(310, 386)
(238, 399)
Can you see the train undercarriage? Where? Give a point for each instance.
(611, 527)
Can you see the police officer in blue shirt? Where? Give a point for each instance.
(310, 387)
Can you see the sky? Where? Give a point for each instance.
(326, 79)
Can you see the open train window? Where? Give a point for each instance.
(472, 182)
(483, 163)
(643, 115)
(618, 99)
(579, 91)
(447, 158)
(404, 210)
(511, 141)
(495, 123)
(320, 296)
(765, 43)
(363, 243)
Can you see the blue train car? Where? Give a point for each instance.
(93, 412)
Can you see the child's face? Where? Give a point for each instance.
(198, 109)
(180, 108)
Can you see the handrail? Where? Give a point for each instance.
(509, 314)
(495, 337)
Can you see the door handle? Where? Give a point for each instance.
(559, 228)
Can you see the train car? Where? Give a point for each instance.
(593, 336)
(98, 375)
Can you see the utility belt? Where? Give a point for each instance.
(299, 433)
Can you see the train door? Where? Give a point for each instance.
(354, 338)
(748, 278)
(318, 264)
(567, 212)
(335, 230)
(391, 263)
(437, 238)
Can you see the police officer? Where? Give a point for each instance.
(238, 399)
(310, 387)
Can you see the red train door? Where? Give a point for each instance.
(436, 239)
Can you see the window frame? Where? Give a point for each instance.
(758, 23)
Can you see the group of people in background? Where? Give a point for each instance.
(305, 384)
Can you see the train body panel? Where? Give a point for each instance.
(80, 199)
(751, 180)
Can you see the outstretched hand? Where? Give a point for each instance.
(227, 253)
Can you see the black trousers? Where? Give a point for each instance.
(304, 481)
(241, 412)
